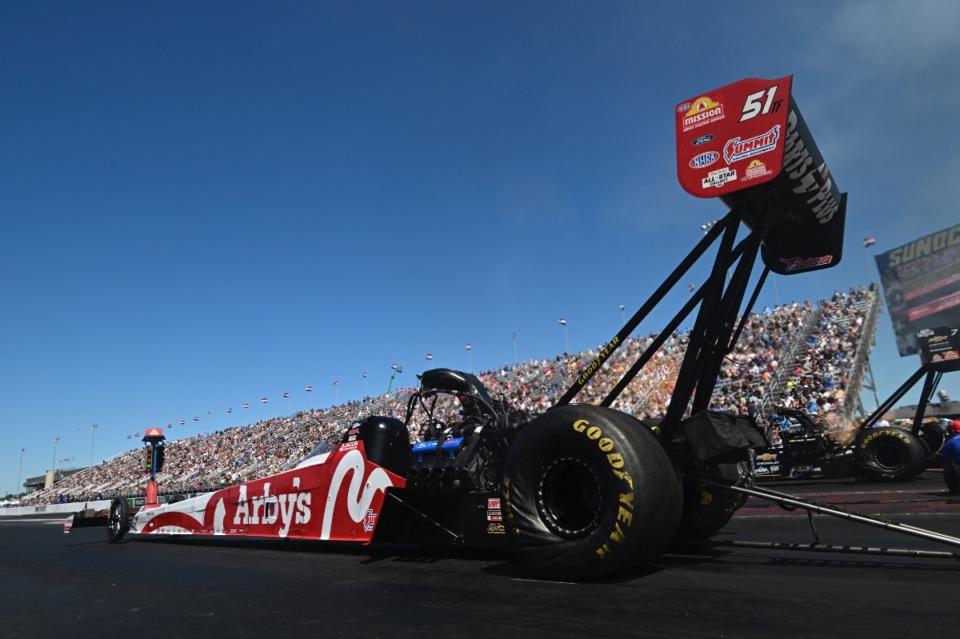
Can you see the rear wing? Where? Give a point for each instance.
(748, 144)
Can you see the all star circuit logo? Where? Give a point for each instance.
(718, 178)
(737, 149)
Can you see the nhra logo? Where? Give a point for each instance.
(736, 149)
(702, 111)
(704, 160)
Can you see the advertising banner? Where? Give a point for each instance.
(921, 283)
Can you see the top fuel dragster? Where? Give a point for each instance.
(580, 491)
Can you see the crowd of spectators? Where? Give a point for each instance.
(795, 355)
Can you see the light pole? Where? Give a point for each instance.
(469, 356)
(55, 441)
(93, 432)
(20, 472)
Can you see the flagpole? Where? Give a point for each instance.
(867, 243)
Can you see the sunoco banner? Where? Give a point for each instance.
(921, 281)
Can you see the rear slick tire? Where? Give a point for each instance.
(889, 454)
(588, 491)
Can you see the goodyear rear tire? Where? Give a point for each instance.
(589, 491)
(888, 454)
(933, 435)
(118, 521)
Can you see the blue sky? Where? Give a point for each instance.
(208, 203)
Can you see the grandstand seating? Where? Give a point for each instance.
(802, 355)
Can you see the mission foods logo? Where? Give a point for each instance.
(756, 169)
(704, 160)
(737, 149)
(702, 111)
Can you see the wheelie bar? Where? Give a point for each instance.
(790, 502)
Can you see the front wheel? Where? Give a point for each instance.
(589, 491)
(118, 521)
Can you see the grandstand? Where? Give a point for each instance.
(810, 356)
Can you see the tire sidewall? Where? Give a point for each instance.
(119, 510)
(639, 490)
(876, 447)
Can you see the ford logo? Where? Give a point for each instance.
(704, 160)
(703, 139)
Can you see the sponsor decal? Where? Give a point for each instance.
(625, 507)
(702, 112)
(704, 160)
(351, 445)
(369, 520)
(703, 139)
(494, 515)
(496, 529)
(336, 503)
(682, 108)
(598, 362)
(807, 179)
(359, 494)
(736, 149)
(268, 509)
(800, 263)
(493, 502)
(719, 177)
(756, 169)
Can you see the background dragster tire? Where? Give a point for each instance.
(118, 521)
(932, 434)
(589, 491)
(706, 508)
(889, 454)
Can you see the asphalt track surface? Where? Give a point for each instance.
(78, 585)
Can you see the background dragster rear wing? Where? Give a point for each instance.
(747, 144)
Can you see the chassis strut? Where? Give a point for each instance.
(791, 502)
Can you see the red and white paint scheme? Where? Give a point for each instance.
(333, 496)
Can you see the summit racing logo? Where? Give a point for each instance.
(737, 149)
(702, 111)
